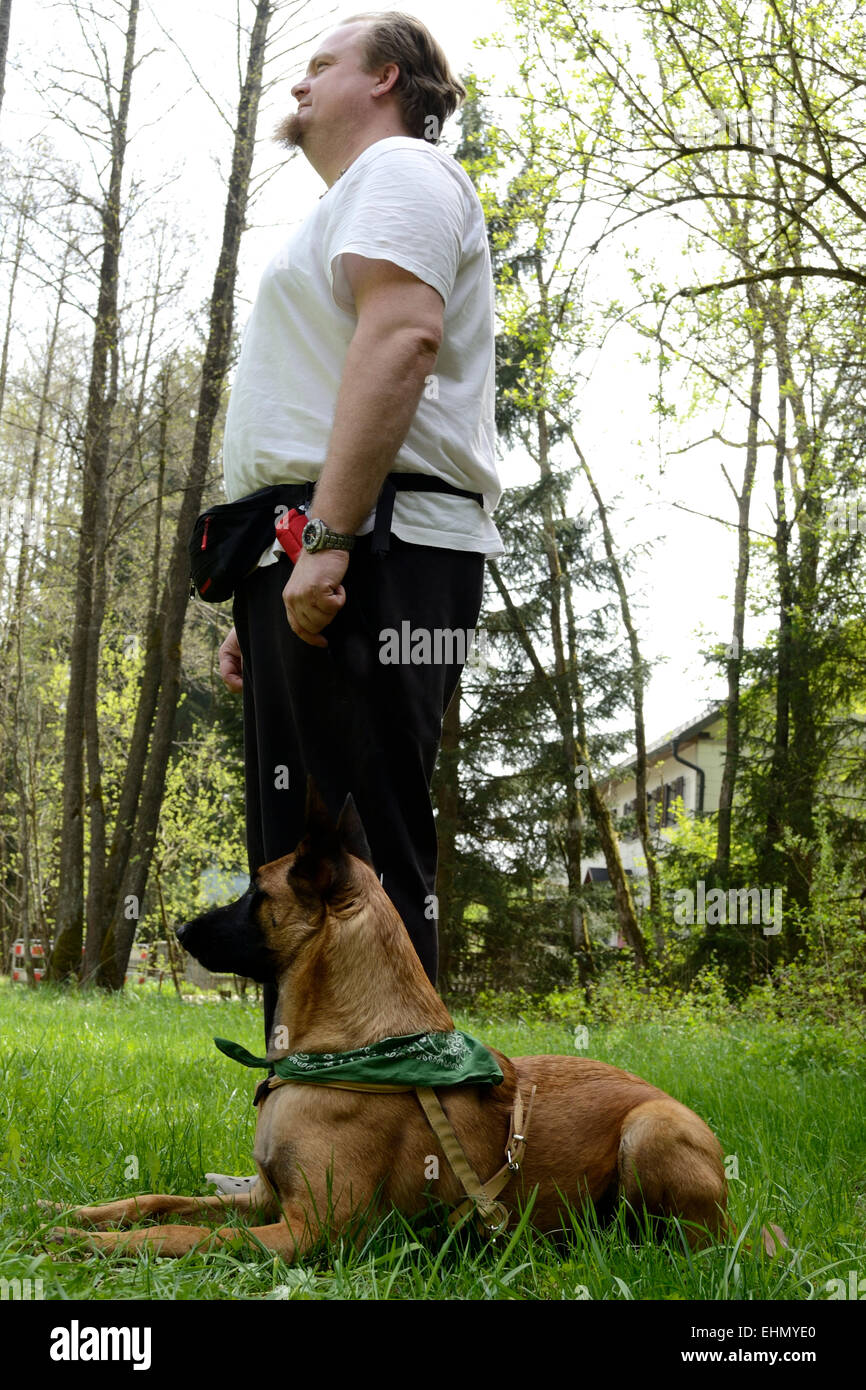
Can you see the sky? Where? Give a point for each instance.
(180, 147)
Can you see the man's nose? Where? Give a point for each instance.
(301, 86)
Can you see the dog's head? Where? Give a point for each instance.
(289, 901)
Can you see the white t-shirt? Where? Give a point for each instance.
(401, 200)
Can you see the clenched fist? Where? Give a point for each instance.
(314, 595)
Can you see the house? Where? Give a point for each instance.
(686, 763)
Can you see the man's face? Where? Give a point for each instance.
(334, 93)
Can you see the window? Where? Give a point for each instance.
(672, 791)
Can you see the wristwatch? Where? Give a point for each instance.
(319, 536)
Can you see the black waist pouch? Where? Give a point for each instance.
(227, 541)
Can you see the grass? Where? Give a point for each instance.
(96, 1089)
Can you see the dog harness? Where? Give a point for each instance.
(419, 1062)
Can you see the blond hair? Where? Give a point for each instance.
(426, 90)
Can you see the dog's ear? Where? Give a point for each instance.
(321, 866)
(318, 820)
(318, 869)
(351, 832)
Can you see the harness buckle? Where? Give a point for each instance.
(499, 1221)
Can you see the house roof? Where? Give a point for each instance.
(601, 875)
(656, 752)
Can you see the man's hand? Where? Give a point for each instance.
(314, 594)
(231, 663)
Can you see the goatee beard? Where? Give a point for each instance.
(289, 133)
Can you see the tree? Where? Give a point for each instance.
(538, 310)
(81, 733)
(5, 21)
(141, 797)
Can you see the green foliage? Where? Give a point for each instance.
(201, 822)
(619, 997)
(826, 983)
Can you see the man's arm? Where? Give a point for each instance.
(392, 352)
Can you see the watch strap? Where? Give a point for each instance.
(325, 538)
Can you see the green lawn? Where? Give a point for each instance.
(90, 1086)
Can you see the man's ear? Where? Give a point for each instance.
(351, 832)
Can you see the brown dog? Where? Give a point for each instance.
(321, 926)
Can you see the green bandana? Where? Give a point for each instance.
(416, 1059)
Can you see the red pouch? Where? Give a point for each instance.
(290, 528)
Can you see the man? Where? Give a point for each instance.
(369, 352)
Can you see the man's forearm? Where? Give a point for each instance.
(382, 382)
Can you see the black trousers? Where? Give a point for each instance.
(355, 720)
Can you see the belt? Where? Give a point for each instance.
(301, 494)
(408, 482)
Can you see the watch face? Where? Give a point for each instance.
(313, 534)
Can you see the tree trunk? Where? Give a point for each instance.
(565, 674)
(5, 18)
(17, 253)
(575, 750)
(744, 502)
(804, 757)
(86, 630)
(11, 687)
(769, 857)
(638, 678)
(575, 824)
(622, 894)
(144, 782)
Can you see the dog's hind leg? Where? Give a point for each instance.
(130, 1210)
(670, 1164)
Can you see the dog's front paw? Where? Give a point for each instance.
(62, 1235)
